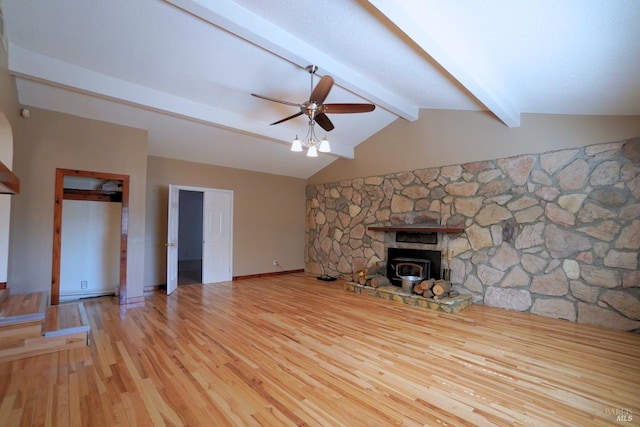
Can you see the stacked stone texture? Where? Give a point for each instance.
(555, 234)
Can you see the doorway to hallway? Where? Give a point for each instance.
(216, 240)
(190, 221)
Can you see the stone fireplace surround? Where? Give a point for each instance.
(555, 234)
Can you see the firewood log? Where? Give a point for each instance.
(427, 284)
(417, 289)
(360, 273)
(367, 278)
(379, 280)
(441, 287)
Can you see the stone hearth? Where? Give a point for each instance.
(393, 293)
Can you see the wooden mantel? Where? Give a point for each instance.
(417, 228)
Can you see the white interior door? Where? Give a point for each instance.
(172, 239)
(217, 235)
(217, 245)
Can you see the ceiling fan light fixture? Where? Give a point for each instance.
(296, 145)
(311, 142)
(324, 146)
(312, 151)
(316, 111)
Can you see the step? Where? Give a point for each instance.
(23, 308)
(28, 328)
(21, 317)
(66, 319)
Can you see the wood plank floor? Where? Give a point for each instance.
(291, 350)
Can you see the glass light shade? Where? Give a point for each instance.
(296, 145)
(324, 146)
(312, 152)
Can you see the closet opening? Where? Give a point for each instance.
(89, 235)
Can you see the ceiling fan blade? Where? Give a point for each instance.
(299, 113)
(275, 100)
(347, 108)
(321, 90)
(324, 122)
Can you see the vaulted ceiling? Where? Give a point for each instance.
(184, 70)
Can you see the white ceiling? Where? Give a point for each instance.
(184, 69)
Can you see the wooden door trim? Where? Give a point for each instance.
(57, 228)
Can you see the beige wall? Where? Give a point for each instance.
(9, 108)
(445, 137)
(8, 92)
(268, 219)
(6, 157)
(50, 140)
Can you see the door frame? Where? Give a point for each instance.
(57, 228)
(172, 229)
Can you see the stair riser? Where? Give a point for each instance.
(41, 345)
(20, 331)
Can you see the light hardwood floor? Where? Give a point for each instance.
(291, 350)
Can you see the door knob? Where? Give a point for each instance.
(169, 245)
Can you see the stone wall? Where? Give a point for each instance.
(555, 234)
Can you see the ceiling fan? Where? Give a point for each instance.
(314, 107)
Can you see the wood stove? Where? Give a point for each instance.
(422, 263)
